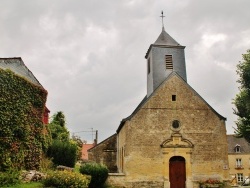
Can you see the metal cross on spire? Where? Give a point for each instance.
(162, 16)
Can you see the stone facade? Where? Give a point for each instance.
(147, 140)
(105, 153)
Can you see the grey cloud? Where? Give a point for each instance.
(89, 55)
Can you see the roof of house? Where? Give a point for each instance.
(85, 148)
(17, 65)
(233, 141)
(107, 139)
(145, 99)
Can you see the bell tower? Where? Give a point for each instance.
(163, 57)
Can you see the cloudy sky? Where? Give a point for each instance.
(89, 54)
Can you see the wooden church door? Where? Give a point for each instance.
(177, 172)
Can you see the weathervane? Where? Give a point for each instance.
(162, 16)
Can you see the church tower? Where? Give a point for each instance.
(164, 57)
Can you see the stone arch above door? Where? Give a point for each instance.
(177, 141)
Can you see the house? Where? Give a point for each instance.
(17, 65)
(105, 153)
(174, 138)
(239, 159)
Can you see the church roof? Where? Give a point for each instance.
(232, 141)
(17, 65)
(164, 40)
(145, 99)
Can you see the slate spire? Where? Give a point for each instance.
(165, 39)
(164, 56)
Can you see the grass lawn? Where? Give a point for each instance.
(27, 185)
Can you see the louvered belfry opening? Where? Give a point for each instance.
(169, 62)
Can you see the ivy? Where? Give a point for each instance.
(22, 133)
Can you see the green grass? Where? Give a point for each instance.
(27, 185)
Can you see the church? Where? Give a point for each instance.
(174, 138)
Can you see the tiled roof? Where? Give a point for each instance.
(17, 65)
(232, 141)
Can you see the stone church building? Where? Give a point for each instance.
(174, 138)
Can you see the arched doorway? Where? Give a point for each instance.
(177, 172)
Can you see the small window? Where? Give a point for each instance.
(148, 65)
(238, 163)
(169, 62)
(240, 177)
(237, 148)
(173, 97)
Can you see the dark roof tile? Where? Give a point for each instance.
(232, 141)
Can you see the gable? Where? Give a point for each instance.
(17, 66)
(173, 88)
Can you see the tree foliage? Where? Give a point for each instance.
(63, 153)
(242, 99)
(63, 150)
(58, 128)
(59, 119)
(79, 142)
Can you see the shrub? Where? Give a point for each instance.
(46, 163)
(98, 172)
(66, 179)
(9, 178)
(63, 153)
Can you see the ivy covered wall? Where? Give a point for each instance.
(22, 133)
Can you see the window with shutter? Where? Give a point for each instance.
(169, 62)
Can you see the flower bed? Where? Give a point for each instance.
(65, 179)
(211, 183)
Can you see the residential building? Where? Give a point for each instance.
(239, 159)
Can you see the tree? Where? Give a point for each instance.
(63, 150)
(242, 99)
(59, 118)
(57, 127)
(79, 142)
